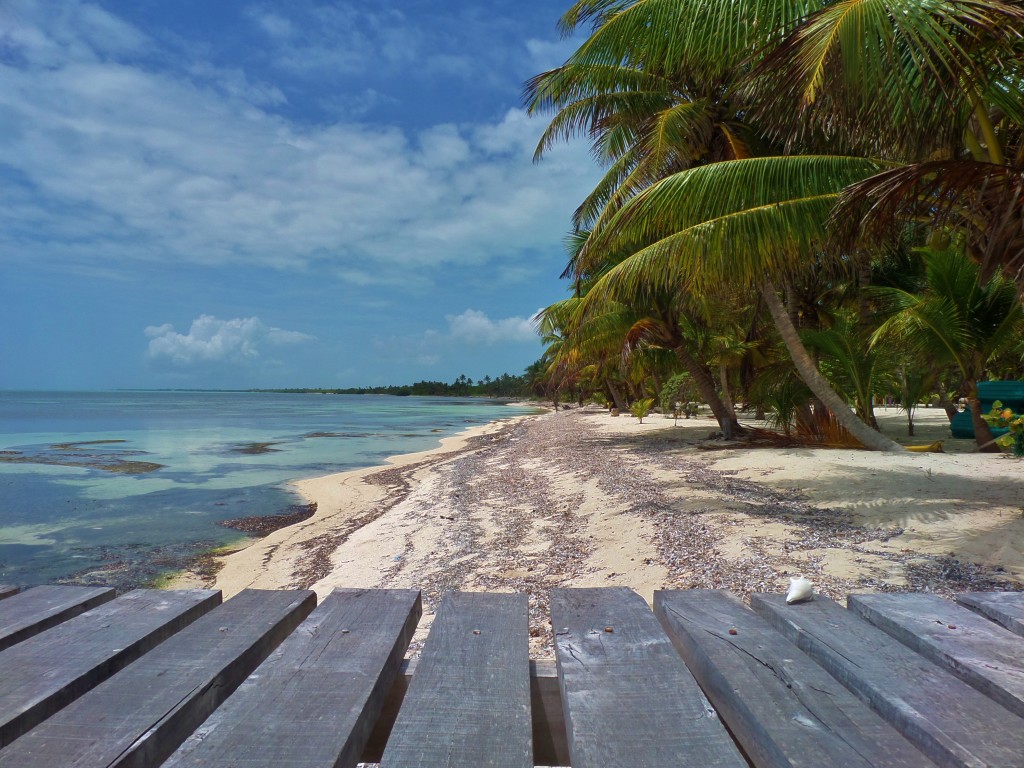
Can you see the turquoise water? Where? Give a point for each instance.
(116, 518)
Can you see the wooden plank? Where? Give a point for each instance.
(6, 590)
(469, 701)
(550, 746)
(982, 654)
(314, 701)
(628, 697)
(944, 717)
(1006, 608)
(141, 715)
(46, 672)
(783, 709)
(31, 612)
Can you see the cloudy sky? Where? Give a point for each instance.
(262, 194)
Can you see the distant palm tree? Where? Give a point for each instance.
(957, 320)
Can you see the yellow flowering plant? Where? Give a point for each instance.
(1005, 418)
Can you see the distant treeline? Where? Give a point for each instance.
(505, 385)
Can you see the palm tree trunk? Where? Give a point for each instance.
(709, 392)
(723, 377)
(616, 395)
(947, 405)
(982, 431)
(868, 437)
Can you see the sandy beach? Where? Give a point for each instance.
(580, 498)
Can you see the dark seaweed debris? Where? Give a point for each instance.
(263, 525)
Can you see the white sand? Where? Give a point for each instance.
(585, 499)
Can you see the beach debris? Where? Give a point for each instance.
(935, 447)
(800, 589)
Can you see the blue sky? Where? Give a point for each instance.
(247, 194)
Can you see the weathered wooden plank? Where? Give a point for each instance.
(469, 701)
(6, 590)
(31, 612)
(982, 654)
(628, 697)
(1006, 608)
(314, 701)
(44, 673)
(549, 743)
(944, 717)
(783, 709)
(138, 717)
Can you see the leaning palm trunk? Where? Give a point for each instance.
(709, 393)
(808, 371)
(617, 400)
(982, 431)
(723, 376)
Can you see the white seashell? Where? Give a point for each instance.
(799, 589)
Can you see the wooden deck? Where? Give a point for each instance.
(265, 679)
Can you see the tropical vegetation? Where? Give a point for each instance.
(807, 206)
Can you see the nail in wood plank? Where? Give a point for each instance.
(314, 701)
(982, 654)
(944, 717)
(35, 610)
(783, 709)
(469, 701)
(1006, 608)
(628, 697)
(46, 672)
(139, 716)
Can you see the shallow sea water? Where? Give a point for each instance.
(222, 455)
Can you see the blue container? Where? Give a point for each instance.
(1009, 393)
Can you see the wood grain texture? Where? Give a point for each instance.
(947, 719)
(982, 654)
(469, 700)
(6, 590)
(44, 673)
(628, 697)
(36, 610)
(549, 743)
(314, 701)
(1006, 608)
(138, 717)
(783, 709)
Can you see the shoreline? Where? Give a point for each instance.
(579, 498)
(330, 495)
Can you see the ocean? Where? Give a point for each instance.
(119, 487)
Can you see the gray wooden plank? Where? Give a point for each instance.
(35, 610)
(948, 720)
(138, 717)
(44, 673)
(314, 701)
(628, 697)
(550, 746)
(979, 652)
(6, 590)
(783, 709)
(469, 700)
(1006, 608)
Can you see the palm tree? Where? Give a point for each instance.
(958, 320)
(742, 223)
(937, 86)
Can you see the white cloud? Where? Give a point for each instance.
(475, 327)
(211, 340)
(117, 162)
